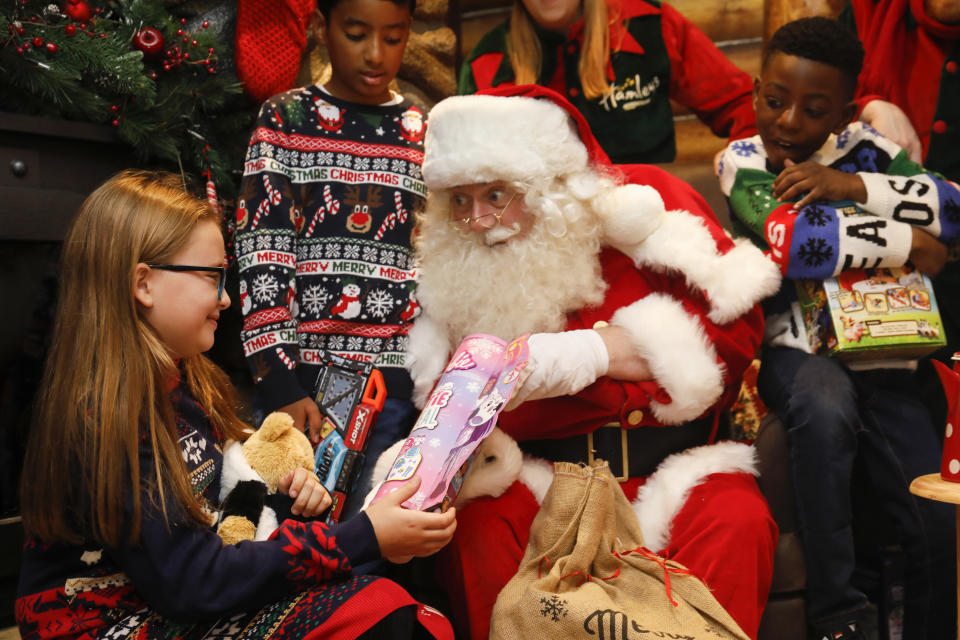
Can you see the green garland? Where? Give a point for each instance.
(179, 105)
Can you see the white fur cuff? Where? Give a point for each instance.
(732, 282)
(659, 500)
(680, 355)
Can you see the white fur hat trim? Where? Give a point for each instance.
(474, 139)
(659, 500)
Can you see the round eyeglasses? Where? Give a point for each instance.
(222, 271)
(485, 218)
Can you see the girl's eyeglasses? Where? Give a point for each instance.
(222, 271)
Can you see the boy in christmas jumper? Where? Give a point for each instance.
(331, 184)
(783, 186)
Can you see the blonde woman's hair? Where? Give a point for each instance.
(523, 47)
(106, 385)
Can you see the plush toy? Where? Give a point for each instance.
(251, 471)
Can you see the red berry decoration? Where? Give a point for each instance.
(70, 29)
(51, 47)
(205, 24)
(38, 42)
(78, 11)
(150, 41)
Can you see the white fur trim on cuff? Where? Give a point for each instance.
(680, 355)
(428, 351)
(659, 500)
(732, 282)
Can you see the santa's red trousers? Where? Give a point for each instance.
(724, 534)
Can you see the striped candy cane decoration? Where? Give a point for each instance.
(399, 215)
(318, 217)
(273, 197)
(212, 196)
(285, 359)
(272, 194)
(261, 209)
(333, 206)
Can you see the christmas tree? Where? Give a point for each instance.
(164, 79)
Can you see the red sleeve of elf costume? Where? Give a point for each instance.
(704, 80)
(694, 360)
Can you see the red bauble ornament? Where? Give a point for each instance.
(78, 11)
(51, 47)
(38, 42)
(70, 29)
(150, 41)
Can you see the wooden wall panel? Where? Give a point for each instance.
(724, 20)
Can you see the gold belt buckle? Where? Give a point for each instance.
(625, 468)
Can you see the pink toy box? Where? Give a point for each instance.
(460, 412)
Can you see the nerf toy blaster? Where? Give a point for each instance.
(350, 395)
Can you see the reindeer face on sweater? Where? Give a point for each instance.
(359, 220)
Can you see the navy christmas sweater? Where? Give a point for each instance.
(323, 240)
(183, 574)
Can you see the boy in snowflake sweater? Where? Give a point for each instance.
(823, 196)
(331, 183)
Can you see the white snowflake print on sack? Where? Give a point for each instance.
(361, 164)
(265, 287)
(246, 245)
(373, 344)
(316, 251)
(335, 342)
(333, 250)
(315, 298)
(283, 243)
(263, 243)
(379, 303)
(324, 158)
(370, 254)
(380, 164)
(354, 343)
(351, 252)
(344, 159)
(398, 166)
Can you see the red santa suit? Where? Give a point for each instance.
(687, 295)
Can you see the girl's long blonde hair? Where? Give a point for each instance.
(523, 47)
(106, 384)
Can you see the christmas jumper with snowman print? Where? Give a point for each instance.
(323, 242)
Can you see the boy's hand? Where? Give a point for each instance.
(818, 182)
(927, 253)
(305, 412)
(404, 533)
(310, 497)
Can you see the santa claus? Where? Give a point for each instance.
(643, 316)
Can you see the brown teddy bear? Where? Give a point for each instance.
(251, 471)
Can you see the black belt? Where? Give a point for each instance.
(640, 449)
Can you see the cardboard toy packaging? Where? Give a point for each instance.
(461, 411)
(871, 314)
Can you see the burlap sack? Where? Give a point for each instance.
(586, 574)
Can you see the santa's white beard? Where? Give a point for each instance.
(524, 284)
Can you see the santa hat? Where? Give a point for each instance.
(506, 133)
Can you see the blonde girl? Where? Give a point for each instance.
(122, 470)
(620, 63)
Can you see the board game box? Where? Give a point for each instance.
(871, 314)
